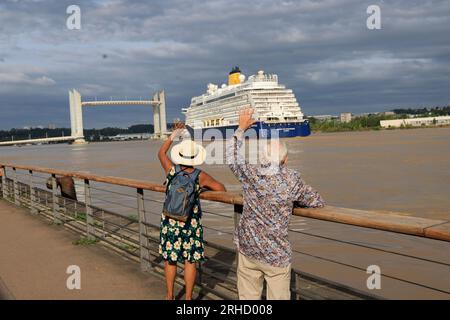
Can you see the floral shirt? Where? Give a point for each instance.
(262, 233)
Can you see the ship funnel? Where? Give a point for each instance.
(234, 77)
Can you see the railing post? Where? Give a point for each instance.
(294, 295)
(16, 188)
(237, 211)
(143, 240)
(55, 206)
(236, 216)
(89, 218)
(200, 273)
(33, 208)
(4, 186)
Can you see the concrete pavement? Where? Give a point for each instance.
(35, 255)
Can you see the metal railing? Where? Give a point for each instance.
(124, 215)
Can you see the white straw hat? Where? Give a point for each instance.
(188, 153)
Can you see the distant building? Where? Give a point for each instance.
(51, 126)
(323, 117)
(416, 122)
(367, 114)
(133, 136)
(388, 113)
(346, 117)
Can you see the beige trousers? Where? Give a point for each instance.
(251, 275)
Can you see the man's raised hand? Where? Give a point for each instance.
(246, 118)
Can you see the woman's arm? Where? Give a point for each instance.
(208, 182)
(166, 163)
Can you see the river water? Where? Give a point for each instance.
(395, 170)
(406, 171)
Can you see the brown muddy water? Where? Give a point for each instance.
(396, 170)
(401, 170)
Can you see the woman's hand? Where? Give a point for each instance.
(166, 163)
(245, 118)
(177, 130)
(175, 134)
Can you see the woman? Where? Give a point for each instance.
(183, 241)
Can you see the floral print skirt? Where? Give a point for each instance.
(182, 241)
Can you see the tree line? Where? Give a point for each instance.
(372, 121)
(90, 134)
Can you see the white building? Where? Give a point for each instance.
(323, 117)
(346, 117)
(131, 136)
(416, 122)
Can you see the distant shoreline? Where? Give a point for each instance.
(313, 132)
(376, 129)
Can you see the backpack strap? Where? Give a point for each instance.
(195, 177)
(177, 169)
(195, 174)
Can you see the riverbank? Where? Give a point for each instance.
(332, 126)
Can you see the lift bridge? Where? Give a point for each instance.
(76, 117)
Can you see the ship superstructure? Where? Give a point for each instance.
(276, 107)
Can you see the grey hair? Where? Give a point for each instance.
(274, 151)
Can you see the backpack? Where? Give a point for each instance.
(181, 194)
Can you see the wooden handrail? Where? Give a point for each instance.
(387, 221)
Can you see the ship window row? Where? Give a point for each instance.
(218, 108)
(272, 92)
(236, 105)
(215, 99)
(232, 111)
(283, 97)
(221, 98)
(232, 104)
(232, 107)
(212, 103)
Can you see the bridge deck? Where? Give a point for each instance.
(40, 140)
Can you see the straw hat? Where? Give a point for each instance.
(188, 153)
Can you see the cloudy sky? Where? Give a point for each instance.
(320, 48)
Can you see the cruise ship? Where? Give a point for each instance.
(277, 112)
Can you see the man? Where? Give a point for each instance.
(66, 185)
(269, 191)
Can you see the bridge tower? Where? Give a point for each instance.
(76, 117)
(76, 113)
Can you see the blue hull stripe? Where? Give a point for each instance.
(261, 129)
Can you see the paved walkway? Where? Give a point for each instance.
(34, 256)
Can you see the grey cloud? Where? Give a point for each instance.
(321, 49)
